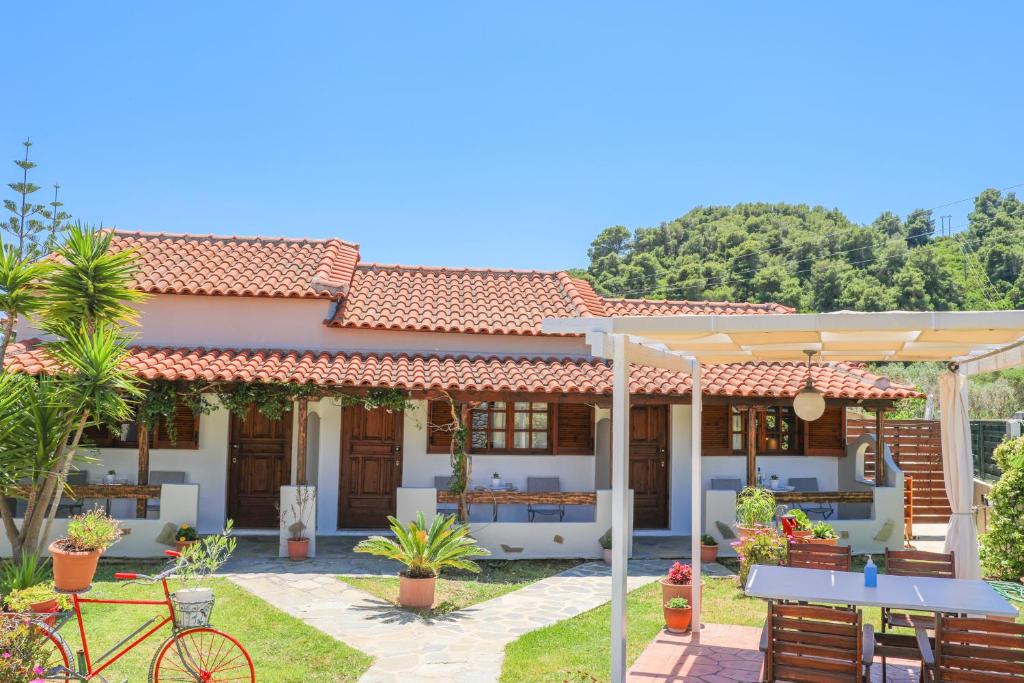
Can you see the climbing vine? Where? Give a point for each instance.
(391, 400)
(160, 402)
(271, 399)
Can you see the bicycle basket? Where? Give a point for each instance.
(190, 613)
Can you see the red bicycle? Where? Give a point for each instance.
(193, 652)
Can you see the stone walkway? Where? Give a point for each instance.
(467, 646)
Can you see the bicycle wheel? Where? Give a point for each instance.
(203, 655)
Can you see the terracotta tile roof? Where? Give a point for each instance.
(428, 299)
(240, 266)
(443, 372)
(662, 307)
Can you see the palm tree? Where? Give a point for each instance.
(82, 298)
(426, 551)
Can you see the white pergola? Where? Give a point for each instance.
(971, 342)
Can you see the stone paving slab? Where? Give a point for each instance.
(465, 646)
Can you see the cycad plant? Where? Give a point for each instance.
(424, 550)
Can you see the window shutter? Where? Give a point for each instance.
(825, 436)
(715, 434)
(439, 417)
(187, 424)
(574, 429)
(98, 436)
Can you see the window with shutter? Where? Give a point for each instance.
(574, 429)
(439, 421)
(716, 429)
(825, 436)
(187, 424)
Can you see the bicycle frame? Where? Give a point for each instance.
(89, 673)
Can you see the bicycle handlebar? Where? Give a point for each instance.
(132, 576)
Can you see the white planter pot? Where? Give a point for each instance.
(192, 607)
(495, 483)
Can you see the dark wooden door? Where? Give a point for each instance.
(648, 465)
(371, 466)
(260, 462)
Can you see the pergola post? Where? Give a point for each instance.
(879, 446)
(752, 446)
(696, 489)
(620, 485)
(143, 478)
(302, 442)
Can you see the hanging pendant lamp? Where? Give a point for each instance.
(809, 403)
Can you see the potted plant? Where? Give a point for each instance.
(298, 542)
(424, 551)
(708, 548)
(677, 613)
(495, 480)
(606, 546)
(38, 599)
(185, 536)
(110, 477)
(801, 523)
(763, 546)
(773, 482)
(755, 509)
(193, 603)
(822, 532)
(76, 555)
(678, 583)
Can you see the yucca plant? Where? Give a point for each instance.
(425, 551)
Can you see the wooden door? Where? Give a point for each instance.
(371, 466)
(648, 465)
(259, 463)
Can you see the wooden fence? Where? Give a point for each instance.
(917, 449)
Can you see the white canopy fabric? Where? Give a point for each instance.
(958, 473)
(975, 341)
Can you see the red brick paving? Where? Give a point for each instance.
(723, 653)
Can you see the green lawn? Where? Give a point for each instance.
(282, 647)
(576, 649)
(459, 589)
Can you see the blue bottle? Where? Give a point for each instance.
(870, 574)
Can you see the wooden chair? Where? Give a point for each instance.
(910, 563)
(815, 643)
(819, 556)
(972, 650)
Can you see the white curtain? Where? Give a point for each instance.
(958, 472)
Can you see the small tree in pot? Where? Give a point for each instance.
(193, 604)
(294, 519)
(76, 555)
(425, 551)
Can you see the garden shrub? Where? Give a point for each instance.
(763, 546)
(1002, 546)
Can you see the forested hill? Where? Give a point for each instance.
(816, 259)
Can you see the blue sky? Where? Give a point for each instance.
(506, 134)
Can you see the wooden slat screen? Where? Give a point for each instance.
(824, 436)
(187, 424)
(917, 448)
(439, 420)
(574, 429)
(715, 435)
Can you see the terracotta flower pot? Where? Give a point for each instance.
(181, 545)
(671, 590)
(46, 607)
(820, 541)
(606, 555)
(416, 593)
(742, 532)
(708, 553)
(73, 571)
(298, 549)
(677, 620)
(801, 535)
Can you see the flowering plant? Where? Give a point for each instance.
(763, 546)
(185, 533)
(680, 574)
(23, 648)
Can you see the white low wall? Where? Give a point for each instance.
(179, 504)
(541, 539)
(884, 528)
